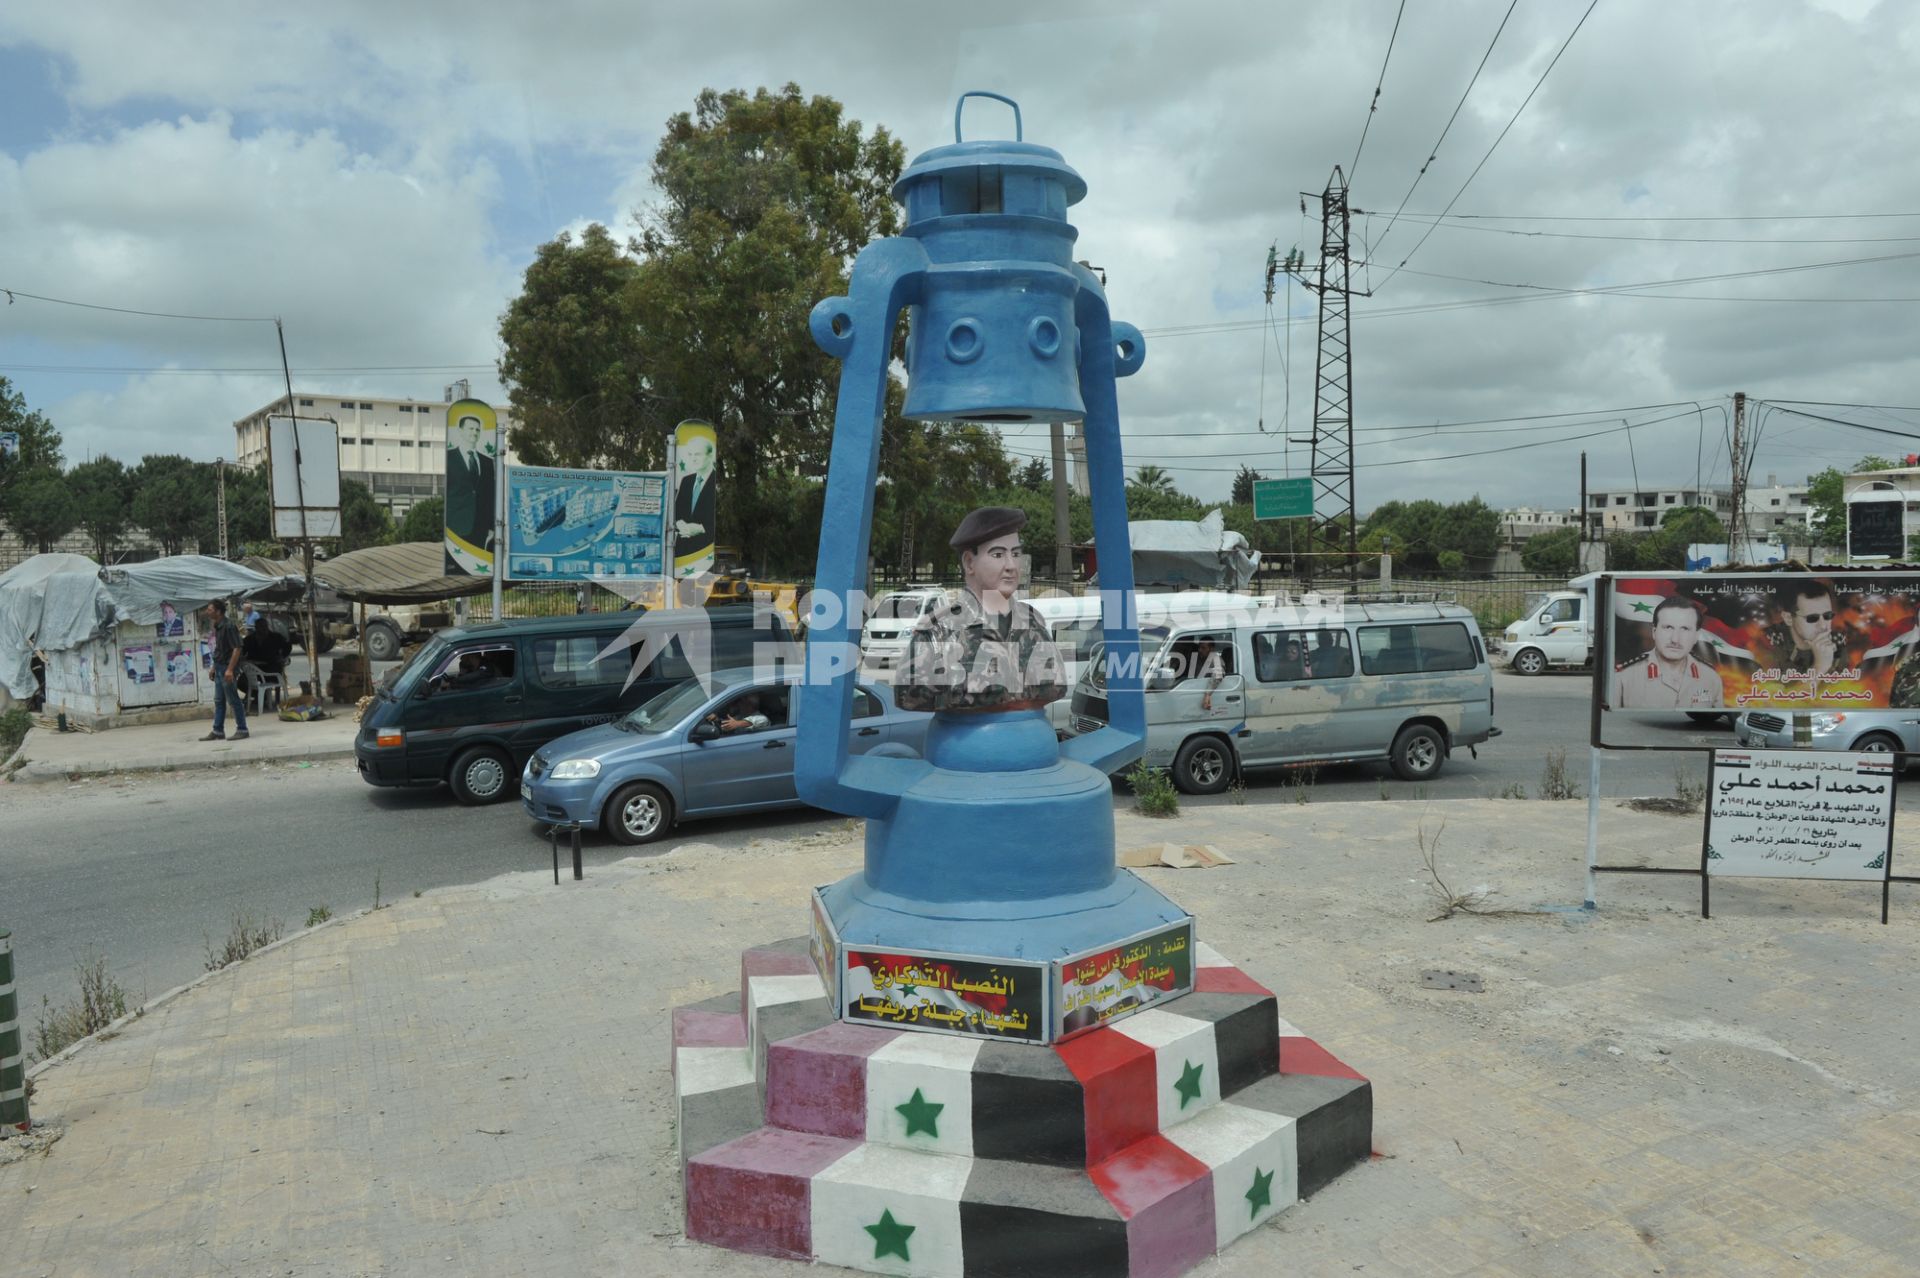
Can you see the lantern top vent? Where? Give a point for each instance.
(989, 177)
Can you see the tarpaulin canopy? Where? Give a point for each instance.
(1190, 552)
(411, 572)
(54, 602)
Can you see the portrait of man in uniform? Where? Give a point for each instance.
(1668, 676)
(981, 648)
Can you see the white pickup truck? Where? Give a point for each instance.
(1557, 631)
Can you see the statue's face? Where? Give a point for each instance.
(994, 565)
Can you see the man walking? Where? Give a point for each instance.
(226, 666)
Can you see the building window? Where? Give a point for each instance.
(346, 439)
(1669, 499)
(367, 407)
(406, 443)
(1619, 501)
(306, 403)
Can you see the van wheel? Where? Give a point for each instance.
(1203, 766)
(383, 641)
(481, 775)
(1418, 753)
(1529, 661)
(639, 813)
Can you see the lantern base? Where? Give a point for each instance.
(1141, 1148)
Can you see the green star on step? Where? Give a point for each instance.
(1261, 1195)
(890, 1237)
(1188, 1084)
(922, 1115)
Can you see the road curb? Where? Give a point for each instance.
(40, 772)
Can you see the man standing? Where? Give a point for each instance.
(1668, 676)
(226, 667)
(470, 489)
(982, 649)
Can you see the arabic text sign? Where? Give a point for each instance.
(1103, 984)
(948, 993)
(1764, 641)
(575, 525)
(1788, 814)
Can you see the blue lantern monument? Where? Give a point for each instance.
(996, 1052)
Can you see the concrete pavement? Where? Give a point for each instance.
(59, 756)
(476, 1081)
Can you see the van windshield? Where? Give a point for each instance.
(425, 657)
(898, 608)
(666, 709)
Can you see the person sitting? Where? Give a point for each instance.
(265, 648)
(472, 672)
(742, 714)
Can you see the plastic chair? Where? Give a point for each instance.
(265, 687)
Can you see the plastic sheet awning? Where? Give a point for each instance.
(411, 572)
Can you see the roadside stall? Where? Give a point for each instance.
(115, 646)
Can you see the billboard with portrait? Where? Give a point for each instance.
(1765, 641)
(696, 449)
(473, 450)
(575, 525)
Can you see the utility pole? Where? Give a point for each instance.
(220, 468)
(1062, 533)
(1580, 556)
(1737, 517)
(1332, 440)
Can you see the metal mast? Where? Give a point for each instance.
(1332, 442)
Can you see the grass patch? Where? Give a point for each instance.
(102, 1001)
(317, 915)
(245, 936)
(14, 726)
(1555, 783)
(1153, 792)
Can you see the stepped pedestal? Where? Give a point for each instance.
(1139, 1148)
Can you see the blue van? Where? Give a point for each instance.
(474, 703)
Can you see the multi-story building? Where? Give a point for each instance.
(1778, 511)
(1628, 510)
(396, 447)
(1522, 522)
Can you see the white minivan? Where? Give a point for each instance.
(883, 639)
(1293, 684)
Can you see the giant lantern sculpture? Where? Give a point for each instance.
(995, 1052)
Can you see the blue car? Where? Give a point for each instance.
(695, 752)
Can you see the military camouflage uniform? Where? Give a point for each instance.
(957, 659)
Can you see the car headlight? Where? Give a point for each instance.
(575, 769)
(1827, 722)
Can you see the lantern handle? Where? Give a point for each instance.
(1018, 134)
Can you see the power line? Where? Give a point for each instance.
(1374, 104)
(13, 293)
(1638, 217)
(1498, 140)
(1434, 152)
(1453, 224)
(244, 371)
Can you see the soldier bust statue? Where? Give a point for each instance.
(982, 649)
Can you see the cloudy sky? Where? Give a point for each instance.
(379, 175)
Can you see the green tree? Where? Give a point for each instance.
(42, 508)
(764, 199)
(425, 521)
(249, 514)
(1690, 524)
(1827, 504)
(1422, 531)
(1553, 554)
(101, 492)
(1243, 482)
(363, 521)
(39, 447)
(935, 473)
(172, 500)
(1036, 476)
(1153, 479)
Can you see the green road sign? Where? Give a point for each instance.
(1283, 498)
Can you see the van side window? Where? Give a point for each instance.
(576, 662)
(1284, 656)
(1387, 650)
(1563, 610)
(1188, 658)
(865, 704)
(473, 668)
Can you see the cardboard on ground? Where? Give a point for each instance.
(1177, 856)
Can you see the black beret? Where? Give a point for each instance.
(985, 524)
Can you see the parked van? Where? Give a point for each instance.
(475, 702)
(883, 639)
(1291, 684)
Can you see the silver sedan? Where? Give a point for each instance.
(1862, 731)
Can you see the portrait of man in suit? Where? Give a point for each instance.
(694, 501)
(470, 489)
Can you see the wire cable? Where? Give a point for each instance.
(1374, 104)
(1498, 140)
(13, 293)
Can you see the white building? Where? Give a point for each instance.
(1522, 522)
(396, 447)
(1778, 511)
(1617, 510)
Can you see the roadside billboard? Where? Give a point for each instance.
(575, 525)
(303, 464)
(696, 446)
(473, 451)
(1765, 641)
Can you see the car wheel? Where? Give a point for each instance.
(483, 774)
(1529, 661)
(1877, 743)
(1203, 766)
(1707, 716)
(1418, 752)
(639, 813)
(383, 642)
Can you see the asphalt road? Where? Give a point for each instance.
(148, 871)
